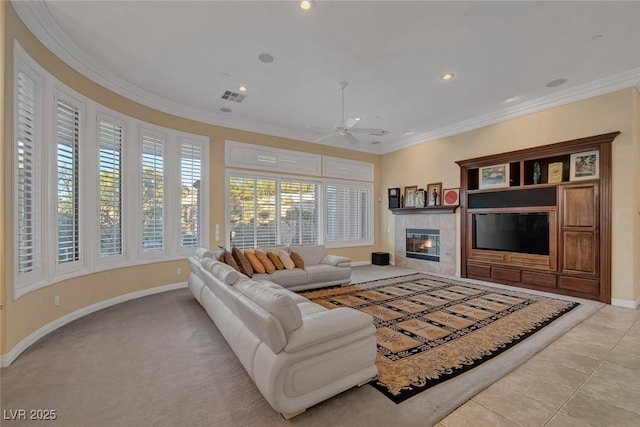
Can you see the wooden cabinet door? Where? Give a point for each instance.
(579, 228)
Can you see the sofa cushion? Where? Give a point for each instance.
(264, 259)
(285, 278)
(326, 273)
(222, 272)
(337, 260)
(297, 260)
(311, 254)
(275, 260)
(254, 261)
(278, 302)
(228, 259)
(202, 253)
(243, 262)
(286, 260)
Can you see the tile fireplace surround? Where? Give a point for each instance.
(446, 223)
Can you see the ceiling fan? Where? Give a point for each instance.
(347, 128)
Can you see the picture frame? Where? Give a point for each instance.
(420, 198)
(434, 194)
(495, 176)
(585, 165)
(410, 196)
(451, 196)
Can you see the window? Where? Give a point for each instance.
(299, 212)
(190, 196)
(152, 193)
(27, 177)
(78, 178)
(270, 211)
(110, 134)
(348, 214)
(68, 183)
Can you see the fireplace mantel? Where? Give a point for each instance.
(425, 210)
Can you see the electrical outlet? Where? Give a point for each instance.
(56, 301)
(178, 271)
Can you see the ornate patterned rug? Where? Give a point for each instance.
(431, 329)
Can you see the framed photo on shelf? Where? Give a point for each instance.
(494, 176)
(584, 166)
(451, 196)
(410, 196)
(434, 194)
(420, 198)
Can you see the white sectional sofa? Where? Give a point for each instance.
(297, 352)
(320, 269)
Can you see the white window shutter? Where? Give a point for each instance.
(110, 137)
(190, 195)
(152, 193)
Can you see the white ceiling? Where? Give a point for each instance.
(181, 56)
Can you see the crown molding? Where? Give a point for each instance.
(608, 84)
(37, 17)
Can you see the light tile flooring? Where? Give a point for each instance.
(588, 377)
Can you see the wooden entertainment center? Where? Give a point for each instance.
(577, 204)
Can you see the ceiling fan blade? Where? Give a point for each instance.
(375, 132)
(350, 123)
(352, 140)
(327, 136)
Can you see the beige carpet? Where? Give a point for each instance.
(160, 361)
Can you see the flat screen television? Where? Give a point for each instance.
(513, 232)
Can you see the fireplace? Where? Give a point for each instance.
(423, 244)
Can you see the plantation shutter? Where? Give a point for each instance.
(152, 163)
(27, 178)
(190, 198)
(68, 185)
(110, 187)
(298, 212)
(348, 209)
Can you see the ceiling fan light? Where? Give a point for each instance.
(447, 76)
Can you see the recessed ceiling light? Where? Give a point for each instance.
(556, 82)
(408, 132)
(597, 37)
(225, 110)
(266, 58)
(305, 4)
(447, 76)
(242, 88)
(357, 119)
(510, 100)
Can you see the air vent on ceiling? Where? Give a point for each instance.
(233, 96)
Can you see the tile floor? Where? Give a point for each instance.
(588, 377)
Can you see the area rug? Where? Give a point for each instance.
(431, 329)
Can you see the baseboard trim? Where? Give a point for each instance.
(8, 358)
(626, 303)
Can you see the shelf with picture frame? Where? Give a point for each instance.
(569, 184)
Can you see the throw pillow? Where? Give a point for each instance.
(297, 260)
(243, 263)
(220, 253)
(275, 260)
(264, 259)
(286, 260)
(228, 259)
(254, 261)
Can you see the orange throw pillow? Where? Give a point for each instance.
(297, 260)
(243, 263)
(275, 260)
(255, 262)
(266, 262)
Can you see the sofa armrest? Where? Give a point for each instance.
(337, 260)
(325, 326)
